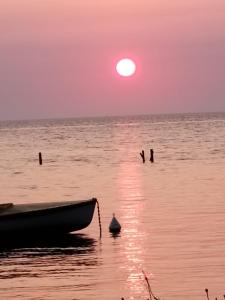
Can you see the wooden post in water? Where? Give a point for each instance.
(40, 158)
(151, 156)
(142, 153)
(207, 293)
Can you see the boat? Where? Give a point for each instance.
(48, 218)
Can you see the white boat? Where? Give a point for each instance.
(50, 218)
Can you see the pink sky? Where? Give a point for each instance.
(57, 58)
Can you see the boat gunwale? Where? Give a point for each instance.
(41, 211)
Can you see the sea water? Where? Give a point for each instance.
(172, 211)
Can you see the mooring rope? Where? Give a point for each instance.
(99, 219)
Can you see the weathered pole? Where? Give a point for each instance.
(40, 158)
(151, 155)
(142, 153)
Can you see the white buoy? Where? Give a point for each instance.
(114, 226)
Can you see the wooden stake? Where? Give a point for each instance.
(207, 293)
(40, 158)
(151, 156)
(142, 153)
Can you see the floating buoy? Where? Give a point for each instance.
(114, 226)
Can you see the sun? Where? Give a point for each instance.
(125, 67)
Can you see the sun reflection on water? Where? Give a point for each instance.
(134, 233)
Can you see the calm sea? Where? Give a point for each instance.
(172, 211)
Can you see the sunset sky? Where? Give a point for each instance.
(57, 58)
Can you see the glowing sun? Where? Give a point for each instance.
(125, 67)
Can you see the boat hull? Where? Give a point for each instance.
(60, 219)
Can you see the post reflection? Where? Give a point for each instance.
(134, 234)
